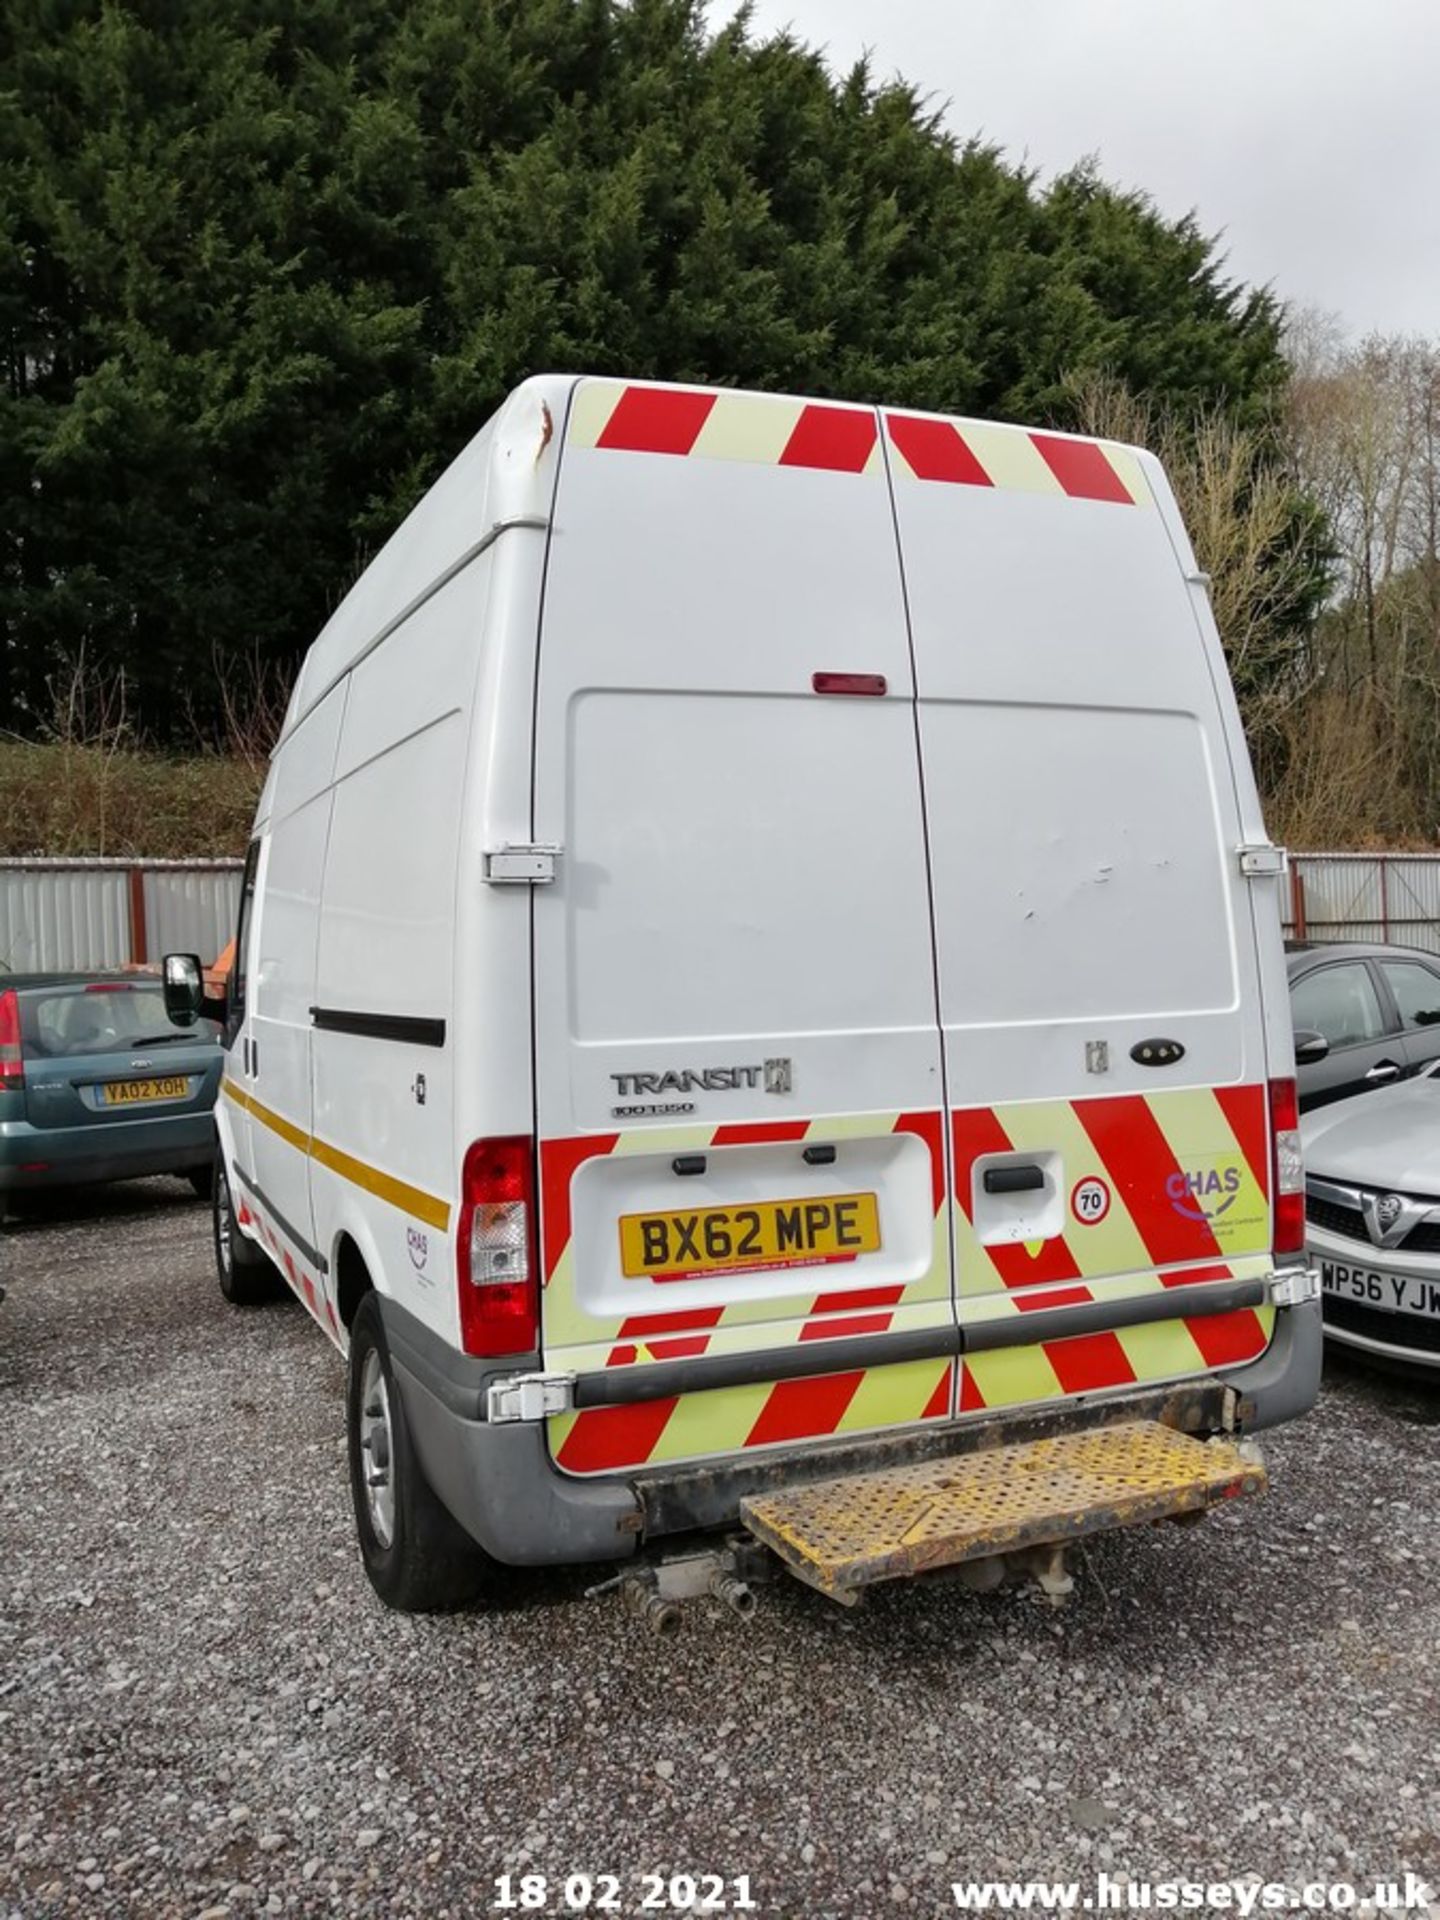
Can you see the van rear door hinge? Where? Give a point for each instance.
(1262, 860)
(529, 1396)
(519, 865)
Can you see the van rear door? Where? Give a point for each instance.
(1096, 945)
(737, 1053)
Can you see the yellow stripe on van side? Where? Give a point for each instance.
(292, 1135)
(397, 1193)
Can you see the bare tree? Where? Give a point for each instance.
(1238, 502)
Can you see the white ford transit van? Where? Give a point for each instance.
(759, 1006)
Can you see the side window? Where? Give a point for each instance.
(1416, 990)
(1340, 1002)
(239, 975)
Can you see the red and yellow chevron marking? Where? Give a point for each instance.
(689, 1426)
(978, 453)
(719, 424)
(1130, 1356)
(1137, 1144)
(1141, 1146)
(773, 430)
(310, 1293)
(742, 1326)
(730, 1419)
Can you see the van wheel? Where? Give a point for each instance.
(417, 1557)
(244, 1271)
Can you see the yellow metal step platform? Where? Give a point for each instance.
(841, 1535)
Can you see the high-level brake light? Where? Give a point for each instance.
(852, 683)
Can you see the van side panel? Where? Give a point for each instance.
(383, 1157)
(1088, 905)
(281, 991)
(502, 479)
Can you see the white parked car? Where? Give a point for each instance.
(1373, 1219)
(759, 963)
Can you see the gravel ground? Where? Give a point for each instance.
(203, 1709)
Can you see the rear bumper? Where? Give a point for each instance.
(498, 1480)
(501, 1486)
(33, 1158)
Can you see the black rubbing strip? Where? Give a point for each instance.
(657, 1380)
(302, 1246)
(415, 1031)
(1110, 1316)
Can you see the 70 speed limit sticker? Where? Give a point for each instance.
(1090, 1201)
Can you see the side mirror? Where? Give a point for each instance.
(1310, 1047)
(184, 988)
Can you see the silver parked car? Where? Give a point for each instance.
(1372, 1204)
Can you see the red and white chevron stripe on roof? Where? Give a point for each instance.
(833, 436)
(716, 424)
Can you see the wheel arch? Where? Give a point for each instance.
(354, 1277)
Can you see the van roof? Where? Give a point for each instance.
(502, 478)
(505, 478)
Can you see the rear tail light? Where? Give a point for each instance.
(12, 1069)
(1287, 1168)
(495, 1250)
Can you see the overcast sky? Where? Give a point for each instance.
(1307, 131)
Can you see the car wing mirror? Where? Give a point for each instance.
(184, 988)
(1310, 1047)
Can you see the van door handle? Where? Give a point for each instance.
(1013, 1179)
(1383, 1070)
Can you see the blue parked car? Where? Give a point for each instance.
(96, 1084)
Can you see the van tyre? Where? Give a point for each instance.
(417, 1557)
(244, 1271)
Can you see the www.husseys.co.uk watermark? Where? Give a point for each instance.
(1242, 1897)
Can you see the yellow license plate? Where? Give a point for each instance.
(770, 1233)
(126, 1093)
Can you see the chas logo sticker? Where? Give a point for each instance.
(1204, 1193)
